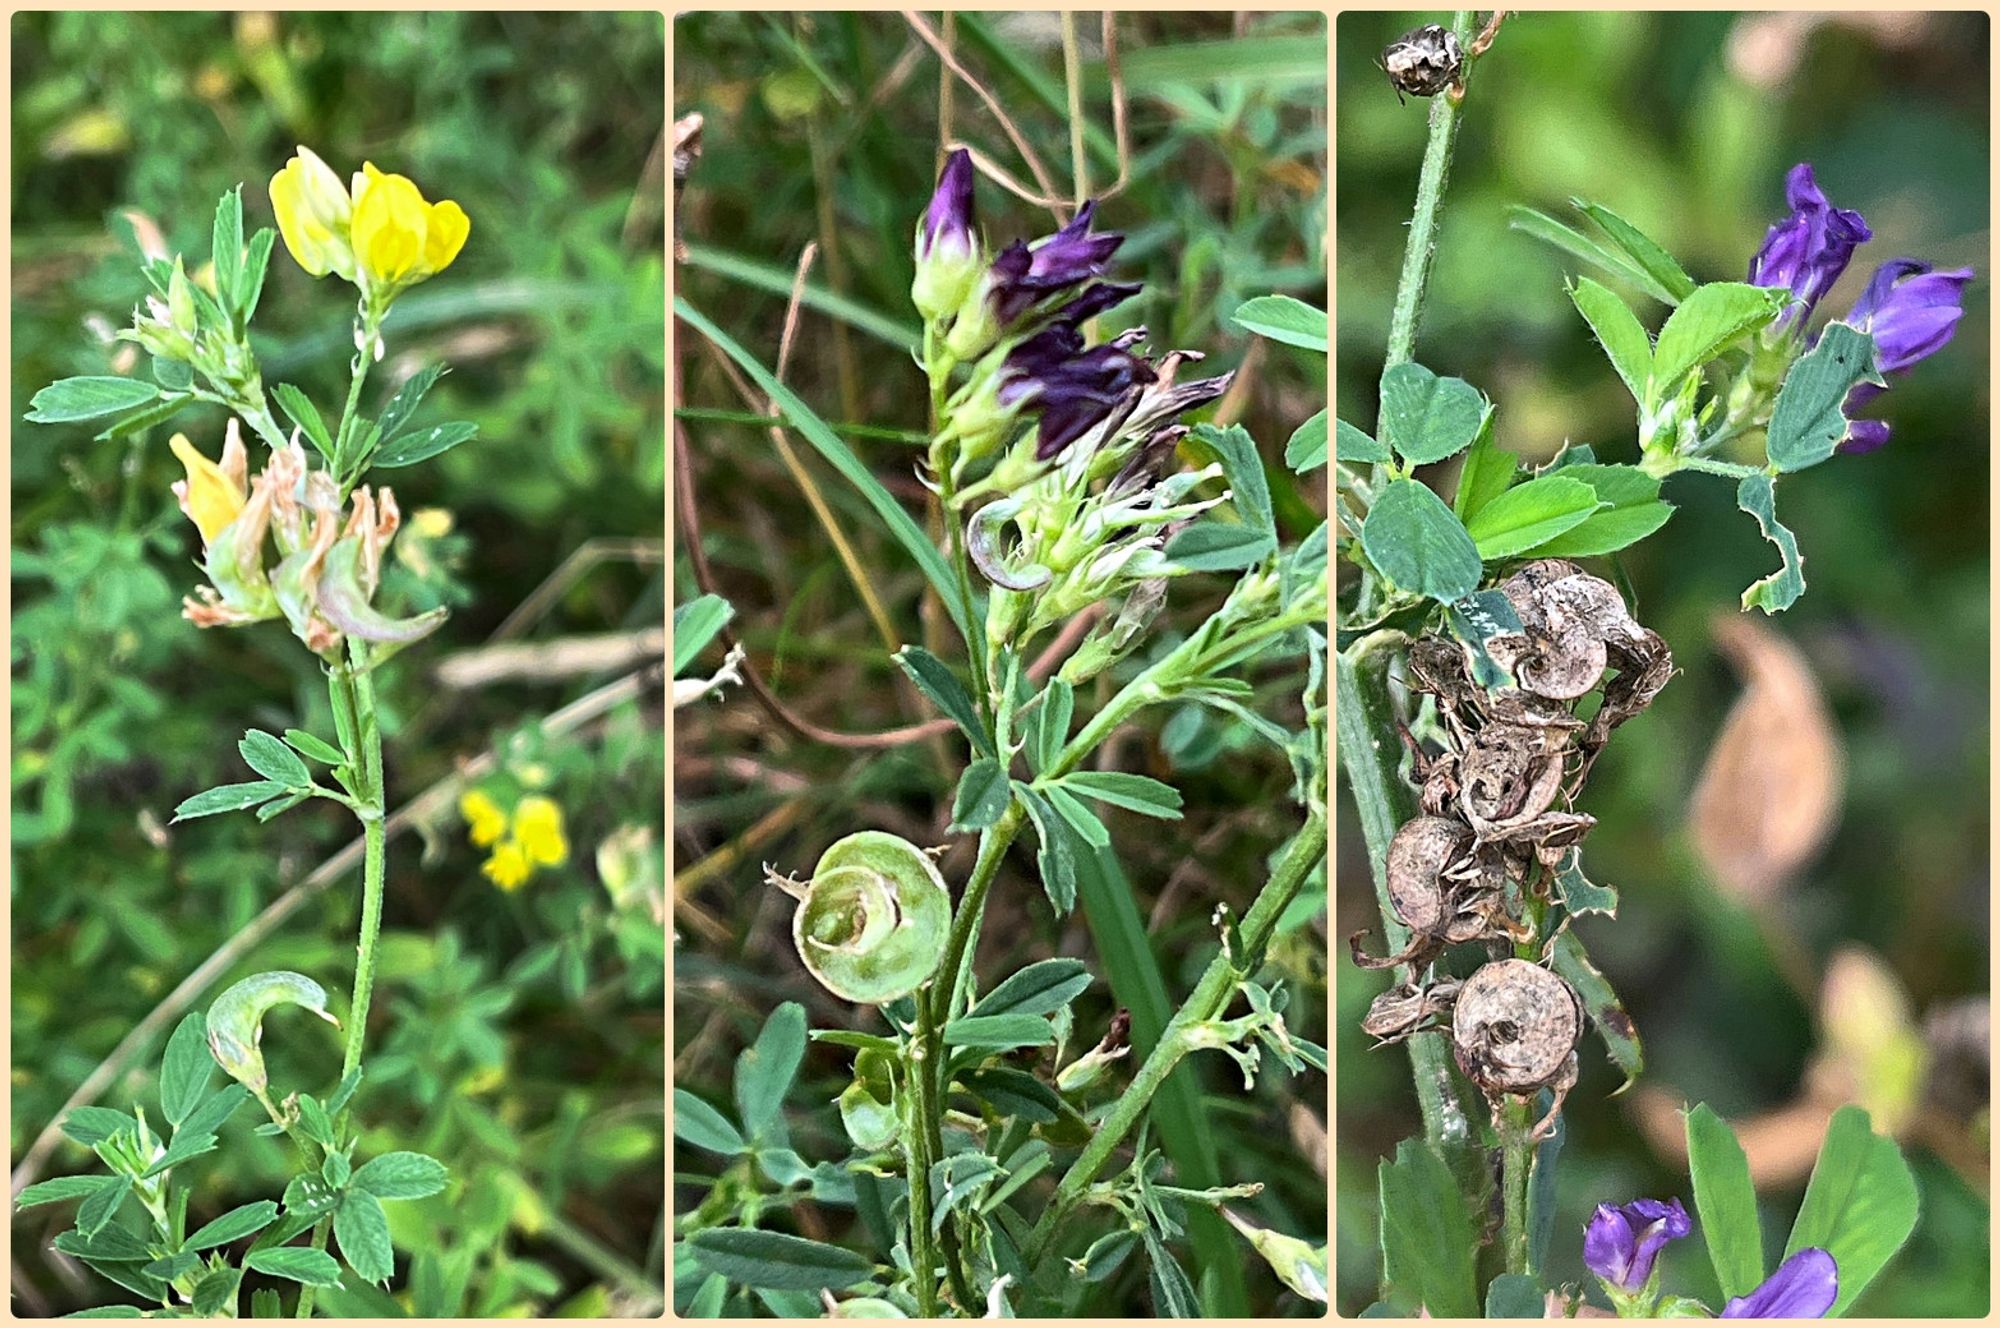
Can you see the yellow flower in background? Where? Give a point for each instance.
(399, 238)
(509, 867)
(209, 496)
(538, 829)
(315, 215)
(483, 817)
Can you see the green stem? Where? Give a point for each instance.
(368, 736)
(1211, 996)
(1517, 1155)
(1421, 247)
(964, 934)
(917, 1155)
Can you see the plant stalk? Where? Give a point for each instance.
(1421, 247)
(1210, 997)
(1517, 1156)
(917, 1155)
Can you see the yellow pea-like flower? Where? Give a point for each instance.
(315, 215)
(399, 237)
(509, 867)
(538, 829)
(209, 496)
(485, 822)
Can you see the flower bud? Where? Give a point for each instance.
(947, 245)
(1299, 1265)
(1621, 1243)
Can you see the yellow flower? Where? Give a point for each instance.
(314, 215)
(538, 830)
(399, 238)
(209, 496)
(484, 817)
(509, 867)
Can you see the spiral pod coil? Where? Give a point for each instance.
(872, 923)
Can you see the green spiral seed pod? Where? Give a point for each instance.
(236, 1021)
(872, 924)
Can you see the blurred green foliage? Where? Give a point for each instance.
(1685, 124)
(825, 128)
(518, 1035)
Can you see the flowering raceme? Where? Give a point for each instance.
(383, 235)
(533, 836)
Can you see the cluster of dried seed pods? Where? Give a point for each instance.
(1497, 822)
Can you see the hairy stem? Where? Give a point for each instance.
(1517, 1155)
(1421, 247)
(959, 945)
(917, 1155)
(368, 736)
(1211, 996)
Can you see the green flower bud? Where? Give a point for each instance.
(1300, 1266)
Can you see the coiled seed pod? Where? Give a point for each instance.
(872, 923)
(236, 1021)
(1418, 856)
(1515, 1027)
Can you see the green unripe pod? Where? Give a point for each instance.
(871, 925)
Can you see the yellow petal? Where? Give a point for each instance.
(508, 868)
(538, 830)
(484, 819)
(391, 220)
(446, 235)
(287, 202)
(314, 212)
(209, 497)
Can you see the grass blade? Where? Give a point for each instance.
(777, 281)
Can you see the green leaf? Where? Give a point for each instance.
(400, 1175)
(227, 252)
(1514, 1296)
(1860, 1205)
(97, 1211)
(1355, 447)
(982, 797)
(422, 444)
(901, 525)
(169, 405)
(1619, 331)
(1048, 725)
(317, 748)
(408, 397)
(281, 805)
(1173, 1294)
(695, 625)
(1485, 474)
(774, 1260)
(1530, 514)
(1706, 323)
(1726, 1202)
(114, 1244)
(1080, 818)
(348, 1083)
(1757, 495)
(61, 1188)
(1579, 893)
(1427, 1235)
(1426, 418)
(215, 1110)
(1807, 423)
(234, 1225)
(296, 1263)
(1243, 468)
(300, 410)
(999, 1032)
(185, 1147)
(172, 375)
(314, 1121)
(215, 1291)
(1418, 544)
(1306, 449)
(186, 1069)
(256, 261)
(1632, 510)
(1014, 1093)
(88, 399)
(1214, 545)
(765, 1070)
(935, 679)
(1135, 793)
(272, 759)
(1056, 858)
(1477, 619)
(361, 1231)
(1282, 318)
(1542, 1187)
(1655, 261)
(1606, 1011)
(1041, 988)
(93, 1125)
(1550, 231)
(172, 1266)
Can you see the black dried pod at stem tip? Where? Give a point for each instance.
(1423, 61)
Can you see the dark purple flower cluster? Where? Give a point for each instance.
(1909, 308)
(1075, 388)
(1621, 1242)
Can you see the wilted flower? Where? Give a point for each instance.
(1621, 1242)
(232, 530)
(1804, 1287)
(1808, 250)
(1911, 310)
(1299, 1265)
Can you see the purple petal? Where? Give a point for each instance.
(1621, 1244)
(1910, 310)
(1804, 1287)
(1808, 250)
(949, 217)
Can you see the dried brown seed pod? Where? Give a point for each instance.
(1418, 857)
(1401, 1010)
(1423, 61)
(1510, 774)
(1515, 1027)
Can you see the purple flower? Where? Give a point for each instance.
(1025, 275)
(1804, 1287)
(1620, 1243)
(1808, 250)
(1911, 310)
(1075, 389)
(948, 222)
